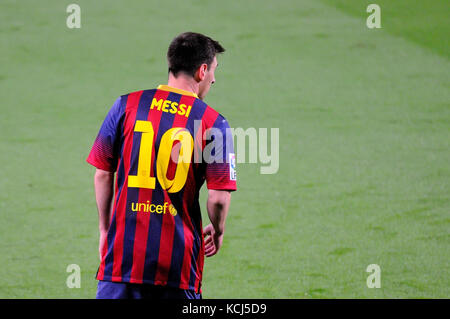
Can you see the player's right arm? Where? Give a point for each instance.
(104, 191)
(217, 205)
(104, 156)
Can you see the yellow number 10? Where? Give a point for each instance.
(143, 178)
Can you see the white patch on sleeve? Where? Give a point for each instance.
(232, 163)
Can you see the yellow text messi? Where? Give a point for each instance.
(171, 107)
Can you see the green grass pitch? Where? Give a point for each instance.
(364, 118)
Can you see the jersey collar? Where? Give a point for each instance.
(175, 90)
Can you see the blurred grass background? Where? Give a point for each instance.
(364, 118)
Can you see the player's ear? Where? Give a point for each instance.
(201, 72)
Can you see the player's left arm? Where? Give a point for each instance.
(217, 206)
(221, 181)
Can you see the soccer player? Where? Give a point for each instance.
(152, 242)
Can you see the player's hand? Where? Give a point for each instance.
(213, 240)
(102, 242)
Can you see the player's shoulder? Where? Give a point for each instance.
(138, 93)
(122, 100)
(211, 116)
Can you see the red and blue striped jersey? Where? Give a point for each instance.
(153, 140)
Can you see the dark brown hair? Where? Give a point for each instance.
(189, 50)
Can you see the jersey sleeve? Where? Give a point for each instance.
(104, 152)
(221, 170)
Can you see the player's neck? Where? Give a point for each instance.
(183, 82)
